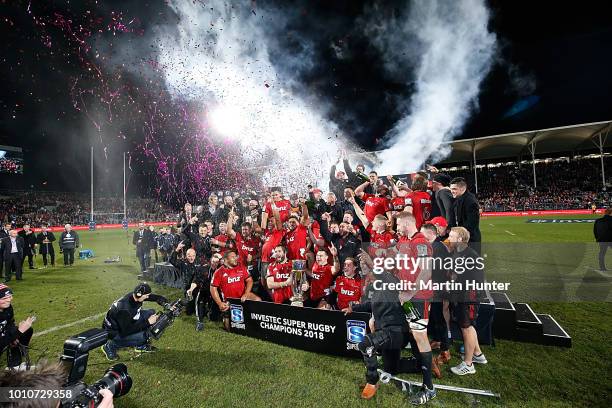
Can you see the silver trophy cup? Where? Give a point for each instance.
(298, 270)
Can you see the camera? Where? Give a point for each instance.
(75, 356)
(166, 318)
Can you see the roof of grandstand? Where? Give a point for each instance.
(553, 140)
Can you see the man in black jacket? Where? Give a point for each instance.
(444, 197)
(12, 253)
(603, 234)
(196, 283)
(338, 180)
(45, 240)
(29, 239)
(467, 211)
(188, 221)
(128, 325)
(202, 242)
(346, 243)
(316, 205)
(334, 208)
(12, 337)
(4, 232)
(68, 242)
(143, 239)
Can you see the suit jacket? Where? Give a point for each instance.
(45, 248)
(146, 243)
(467, 215)
(603, 229)
(29, 240)
(7, 246)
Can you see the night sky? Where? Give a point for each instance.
(553, 57)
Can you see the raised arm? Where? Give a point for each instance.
(347, 167)
(304, 220)
(175, 262)
(317, 241)
(359, 212)
(276, 215)
(393, 185)
(231, 217)
(359, 190)
(264, 214)
(325, 228)
(334, 252)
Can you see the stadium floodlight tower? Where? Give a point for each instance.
(92, 222)
(125, 221)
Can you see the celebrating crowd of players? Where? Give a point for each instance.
(246, 251)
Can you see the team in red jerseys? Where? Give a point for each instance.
(264, 250)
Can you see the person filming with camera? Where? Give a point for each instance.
(128, 325)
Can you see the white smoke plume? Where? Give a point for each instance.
(454, 54)
(219, 54)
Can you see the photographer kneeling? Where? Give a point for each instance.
(128, 325)
(13, 338)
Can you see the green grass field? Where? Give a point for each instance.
(218, 369)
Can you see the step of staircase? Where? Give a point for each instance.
(553, 334)
(504, 324)
(527, 319)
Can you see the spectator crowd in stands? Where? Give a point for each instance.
(561, 185)
(54, 209)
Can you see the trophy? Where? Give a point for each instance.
(298, 271)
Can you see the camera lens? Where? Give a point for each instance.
(116, 379)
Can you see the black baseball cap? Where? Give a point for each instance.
(443, 179)
(5, 291)
(142, 289)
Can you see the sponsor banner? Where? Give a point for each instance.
(321, 331)
(546, 212)
(105, 226)
(561, 221)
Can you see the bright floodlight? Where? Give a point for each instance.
(226, 120)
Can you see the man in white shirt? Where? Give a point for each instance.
(12, 252)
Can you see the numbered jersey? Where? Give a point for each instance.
(420, 201)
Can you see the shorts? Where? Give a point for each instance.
(422, 306)
(466, 314)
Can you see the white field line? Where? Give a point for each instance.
(492, 225)
(511, 233)
(63, 326)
